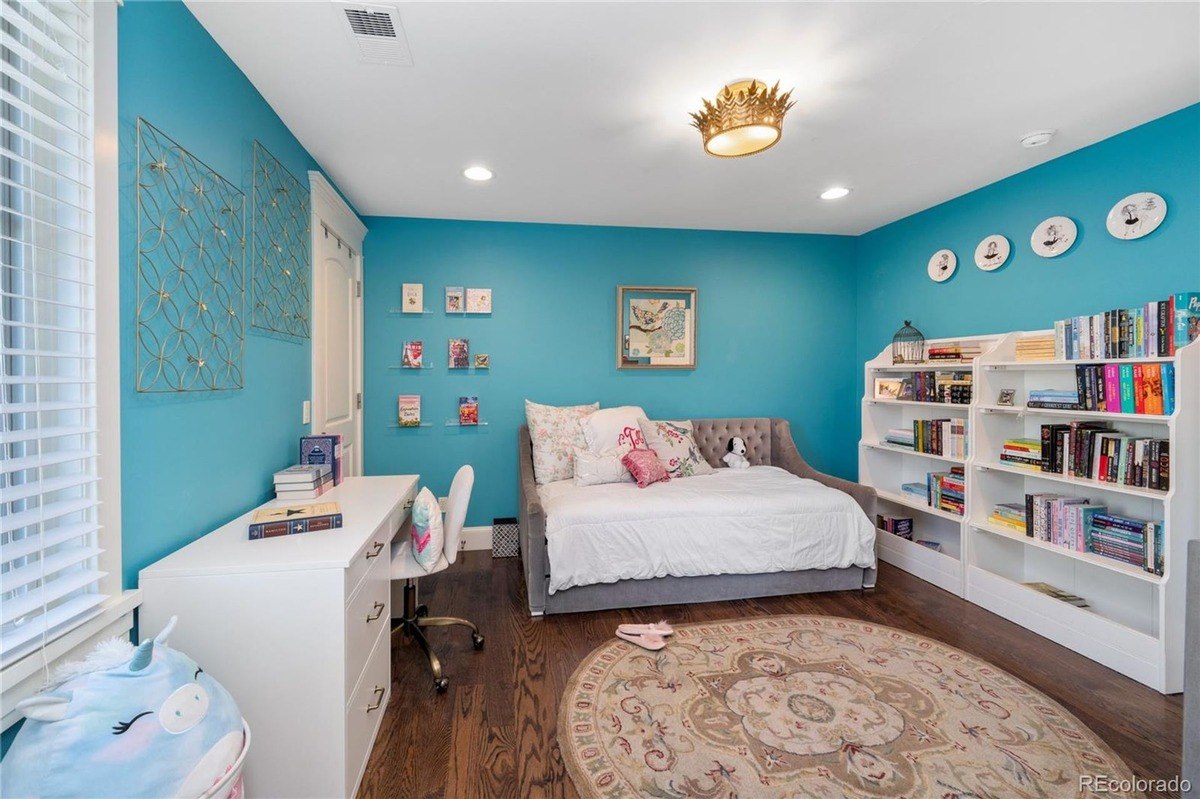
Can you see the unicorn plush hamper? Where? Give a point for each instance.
(128, 722)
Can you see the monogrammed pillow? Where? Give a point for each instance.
(614, 427)
(555, 432)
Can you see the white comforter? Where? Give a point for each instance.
(734, 521)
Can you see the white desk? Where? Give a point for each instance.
(297, 628)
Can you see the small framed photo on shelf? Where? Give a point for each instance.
(414, 353)
(889, 388)
(906, 389)
(656, 327)
(483, 360)
(460, 353)
(468, 411)
(1007, 395)
(412, 299)
(479, 300)
(454, 299)
(409, 410)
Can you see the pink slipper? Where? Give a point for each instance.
(657, 628)
(647, 641)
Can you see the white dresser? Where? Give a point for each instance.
(297, 628)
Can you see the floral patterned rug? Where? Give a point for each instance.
(815, 707)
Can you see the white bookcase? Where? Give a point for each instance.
(1135, 620)
(886, 468)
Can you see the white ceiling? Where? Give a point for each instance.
(582, 109)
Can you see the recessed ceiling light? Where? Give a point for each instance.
(1038, 138)
(835, 193)
(477, 173)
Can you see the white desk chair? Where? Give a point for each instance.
(405, 568)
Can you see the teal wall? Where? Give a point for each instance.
(1030, 292)
(776, 333)
(191, 462)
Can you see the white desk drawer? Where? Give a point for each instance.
(366, 708)
(368, 612)
(376, 550)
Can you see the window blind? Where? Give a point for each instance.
(49, 531)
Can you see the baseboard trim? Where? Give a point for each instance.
(475, 538)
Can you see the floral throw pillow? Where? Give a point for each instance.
(676, 447)
(555, 432)
(645, 467)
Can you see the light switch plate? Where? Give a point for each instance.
(306, 412)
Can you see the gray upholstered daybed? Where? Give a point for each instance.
(769, 443)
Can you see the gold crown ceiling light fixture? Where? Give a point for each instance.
(745, 118)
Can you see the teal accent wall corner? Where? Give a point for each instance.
(1030, 292)
(191, 462)
(776, 333)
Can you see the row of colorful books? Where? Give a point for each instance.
(459, 355)
(896, 525)
(943, 387)
(408, 410)
(1094, 450)
(947, 437)
(1155, 329)
(1147, 388)
(942, 490)
(1077, 524)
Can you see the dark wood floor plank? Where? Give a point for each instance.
(493, 734)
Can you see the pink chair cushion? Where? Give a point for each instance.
(645, 467)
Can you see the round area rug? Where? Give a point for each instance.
(820, 707)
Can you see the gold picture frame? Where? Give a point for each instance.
(657, 327)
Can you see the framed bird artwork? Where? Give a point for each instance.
(656, 327)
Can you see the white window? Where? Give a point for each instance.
(52, 577)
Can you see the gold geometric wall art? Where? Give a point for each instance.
(191, 290)
(280, 241)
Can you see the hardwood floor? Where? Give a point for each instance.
(492, 734)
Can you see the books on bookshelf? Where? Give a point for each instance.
(949, 387)
(468, 410)
(1009, 516)
(1142, 388)
(1077, 524)
(414, 354)
(1153, 330)
(303, 481)
(934, 545)
(1058, 593)
(271, 522)
(896, 525)
(1038, 347)
(953, 352)
(325, 448)
(1095, 451)
(947, 490)
(460, 353)
(946, 437)
(408, 410)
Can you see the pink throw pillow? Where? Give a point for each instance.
(645, 467)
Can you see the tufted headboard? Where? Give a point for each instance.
(712, 437)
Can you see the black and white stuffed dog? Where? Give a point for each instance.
(735, 457)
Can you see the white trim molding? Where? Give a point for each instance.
(338, 214)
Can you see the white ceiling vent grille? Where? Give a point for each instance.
(377, 32)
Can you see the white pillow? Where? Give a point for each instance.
(615, 427)
(592, 469)
(555, 431)
(428, 537)
(675, 446)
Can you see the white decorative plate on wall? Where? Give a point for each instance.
(941, 266)
(1137, 215)
(1053, 237)
(992, 252)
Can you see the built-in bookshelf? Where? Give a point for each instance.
(1134, 618)
(1133, 621)
(887, 466)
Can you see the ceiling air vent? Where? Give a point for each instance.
(377, 32)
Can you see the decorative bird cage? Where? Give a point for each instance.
(908, 345)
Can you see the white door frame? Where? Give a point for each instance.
(330, 210)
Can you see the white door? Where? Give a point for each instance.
(337, 321)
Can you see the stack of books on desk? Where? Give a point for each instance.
(303, 481)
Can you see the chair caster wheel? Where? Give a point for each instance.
(441, 684)
(422, 611)
(477, 641)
